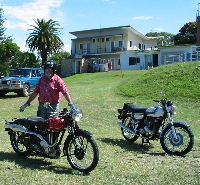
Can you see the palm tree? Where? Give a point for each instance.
(45, 38)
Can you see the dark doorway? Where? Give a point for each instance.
(155, 60)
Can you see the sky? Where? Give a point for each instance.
(77, 15)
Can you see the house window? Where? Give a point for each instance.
(152, 47)
(97, 40)
(140, 46)
(107, 39)
(120, 44)
(118, 61)
(93, 40)
(131, 44)
(102, 40)
(145, 46)
(134, 60)
(81, 46)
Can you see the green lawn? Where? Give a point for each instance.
(99, 95)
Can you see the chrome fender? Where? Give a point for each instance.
(168, 125)
(69, 137)
(80, 131)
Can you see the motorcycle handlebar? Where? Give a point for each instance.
(157, 101)
(161, 101)
(62, 113)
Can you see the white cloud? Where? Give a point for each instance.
(59, 16)
(158, 29)
(142, 17)
(13, 25)
(112, 2)
(23, 15)
(67, 48)
(22, 46)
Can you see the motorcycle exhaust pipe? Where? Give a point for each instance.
(18, 128)
(122, 125)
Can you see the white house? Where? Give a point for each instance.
(119, 48)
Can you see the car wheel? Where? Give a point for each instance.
(26, 90)
(2, 94)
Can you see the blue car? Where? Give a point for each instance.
(21, 81)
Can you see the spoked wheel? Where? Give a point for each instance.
(82, 153)
(129, 136)
(20, 143)
(180, 145)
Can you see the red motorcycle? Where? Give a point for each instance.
(44, 137)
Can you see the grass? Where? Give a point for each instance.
(99, 95)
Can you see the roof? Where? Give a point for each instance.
(92, 30)
(20, 68)
(76, 33)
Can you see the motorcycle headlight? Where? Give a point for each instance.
(173, 109)
(77, 114)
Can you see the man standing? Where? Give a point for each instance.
(50, 87)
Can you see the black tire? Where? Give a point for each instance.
(21, 143)
(184, 143)
(25, 91)
(129, 136)
(2, 94)
(84, 156)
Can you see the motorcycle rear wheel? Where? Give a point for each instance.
(20, 143)
(82, 153)
(182, 145)
(129, 136)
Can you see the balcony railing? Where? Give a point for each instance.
(98, 50)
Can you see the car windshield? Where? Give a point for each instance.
(19, 72)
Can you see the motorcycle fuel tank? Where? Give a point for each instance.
(56, 123)
(156, 112)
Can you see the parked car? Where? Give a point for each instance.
(1, 76)
(20, 81)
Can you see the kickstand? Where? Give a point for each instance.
(145, 141)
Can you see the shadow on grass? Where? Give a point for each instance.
(36, 163)
(133, 147)
(9, 96)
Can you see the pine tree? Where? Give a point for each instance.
(2, 29)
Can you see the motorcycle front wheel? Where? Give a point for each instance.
(20, 143)
(180, 146)
(129, 136)
(82, 152)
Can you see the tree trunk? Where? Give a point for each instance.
(44, 57)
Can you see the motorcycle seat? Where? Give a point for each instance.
(134, 108)
(35, 121)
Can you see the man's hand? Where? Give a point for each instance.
(72, 106)
(24, 106)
